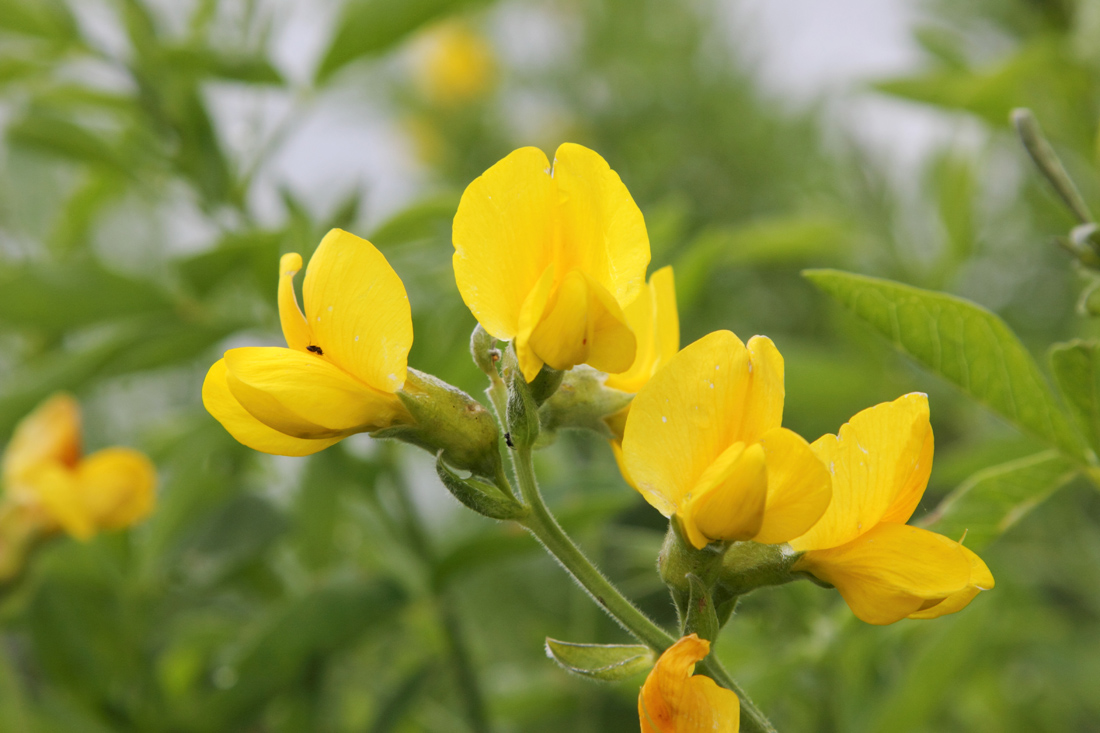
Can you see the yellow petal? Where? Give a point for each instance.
(55, 488)
(295, 329)
(49, 434)
(580, 324)
(656, 326)
(891, 571)
(880, 463)
(358, 311)
(727, 503)
(504, 234)
(531, 313)
(117, 486)
(799, 487)
(673, 701)
(303, 396)
(980, 579)
(225, 408)
(711, 395)
(602, 230)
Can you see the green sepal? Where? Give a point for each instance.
(447, 419)
(523, 413)
(545, 384)
(701, 617)
(609, 662)
(678, 561)
(582, 402)
(483, 350)
(484, 498)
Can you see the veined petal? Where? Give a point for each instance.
(295, 329)
(880, 463)
(603, 233)
(117, 486)
(674, 701)
(531, 314)
(891, 571)
(301, 395)
(49, 434)
(358, 311)
(225, 408)
(728, 501)
(711, 395)
(980, 579)
(799, 487)
(505, 231)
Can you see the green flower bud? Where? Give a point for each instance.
(447, 420)
(485, 499)
(483, 350)
(583, 402)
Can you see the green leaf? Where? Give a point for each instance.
(608, 662)
(1076, 369)
(963, 343)
(71, 296)
(57, 136)
(48, 19)
(203, 62)
(255, 253)
(428, 218)
(372, 27)
(993, 500)
(401, 701)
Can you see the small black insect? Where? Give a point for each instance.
(508, 440)
(315, 350)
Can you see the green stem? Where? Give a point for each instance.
(1042, 153)
(542, 524)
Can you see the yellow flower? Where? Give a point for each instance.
(885, 569)
(656, 325)
(673, 701)
(43, 470)
(456, 66)
(347, 356)
(549, 257)
(703, 442)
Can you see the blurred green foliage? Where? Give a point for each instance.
(347, 591)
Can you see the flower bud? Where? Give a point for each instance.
(447, 420)
(483, 350)
(583, 402)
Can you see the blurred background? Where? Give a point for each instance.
(158, 156)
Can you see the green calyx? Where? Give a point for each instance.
(582, 402)
(449, 421)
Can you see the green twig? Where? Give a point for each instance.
(1042, 153)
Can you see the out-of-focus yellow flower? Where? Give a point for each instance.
(885, 569)
(549, 258)
(674, 701)
(45, 474)
(457, 65)
(347, 356)
(656, 325)
(703, 442)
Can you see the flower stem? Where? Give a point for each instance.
(542, 524)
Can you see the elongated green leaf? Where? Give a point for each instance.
(63, 138)
(427, 218)
(601, 661)
(963, 343)
(993, 500)
(1076, 368)
(49, 19)
(62, 298)
(371, 27)
(402, 700)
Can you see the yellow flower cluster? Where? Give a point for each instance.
(49, 481)
(553, 257)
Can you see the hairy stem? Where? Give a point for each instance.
(542, 524)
